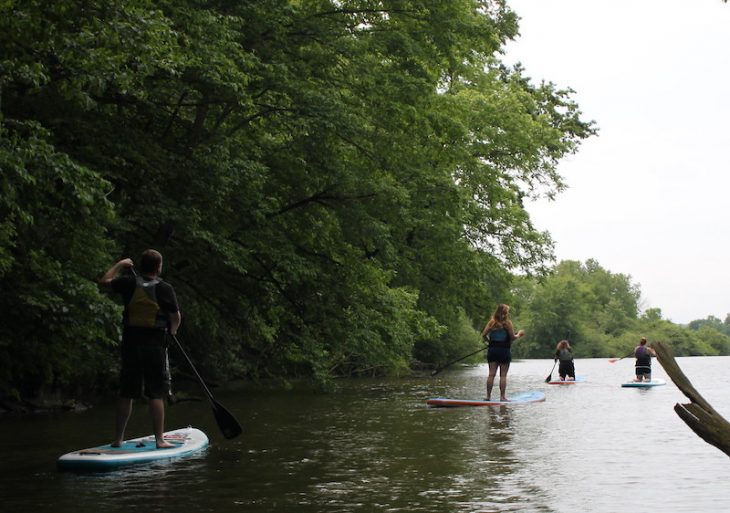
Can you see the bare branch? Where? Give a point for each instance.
(699, 415)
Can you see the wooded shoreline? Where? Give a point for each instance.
(335, 192)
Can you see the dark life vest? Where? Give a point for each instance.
(499, 337)
(643, 357)
(143, 310)
(564, 355)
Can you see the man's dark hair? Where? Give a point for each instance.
(150, 262)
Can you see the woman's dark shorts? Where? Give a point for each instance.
(566, 368)
(499, 354)
(643, 371)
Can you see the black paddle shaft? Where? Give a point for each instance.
(227, 423)
(550, 376)
(455, 361)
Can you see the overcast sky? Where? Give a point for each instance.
(648, 196)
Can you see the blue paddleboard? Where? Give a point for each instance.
(138, 450)
(535, 396)
(644, 384)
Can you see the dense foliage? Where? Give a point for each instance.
(336, 187)
(598, 312)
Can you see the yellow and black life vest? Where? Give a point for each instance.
(143, 310)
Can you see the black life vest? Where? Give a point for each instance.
(143, 310)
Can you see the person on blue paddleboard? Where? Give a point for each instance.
(564, 354)
(643, 354)
(499, 335)
(150, 312)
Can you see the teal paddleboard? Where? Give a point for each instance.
(187, 441)
(522, 398)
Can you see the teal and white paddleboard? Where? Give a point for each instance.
(644, 384)
(138, 450)
(535, 396)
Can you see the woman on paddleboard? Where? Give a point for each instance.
(643, 354)
(564, 353)
(499, 335)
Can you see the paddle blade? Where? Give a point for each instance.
(549, 378)
(227, 423)
(613, 360)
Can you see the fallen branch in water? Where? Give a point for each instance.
(699, 415)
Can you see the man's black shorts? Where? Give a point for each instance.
(145, 367)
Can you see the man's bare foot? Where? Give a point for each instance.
(165, 445)
(116, 444)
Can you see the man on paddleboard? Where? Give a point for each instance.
(150, 311)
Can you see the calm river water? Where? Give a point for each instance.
(374, 445)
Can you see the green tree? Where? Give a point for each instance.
(56, 330)
(652, 315)
(710, 322)
(597, 310)
(583, 303)
(331, 183)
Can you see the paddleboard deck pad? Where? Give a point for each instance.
(578, 379)
(132, 452)
(523, 398)
(644, 384)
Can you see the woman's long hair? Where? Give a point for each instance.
(563, 344)
(500, 319)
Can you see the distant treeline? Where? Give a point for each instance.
(598, 312)
(337, 188)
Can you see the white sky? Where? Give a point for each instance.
(648, 196)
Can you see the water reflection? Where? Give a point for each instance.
(495, 475)
(374, 446)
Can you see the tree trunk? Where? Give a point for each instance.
(699, 415)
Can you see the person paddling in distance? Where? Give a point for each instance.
(564, 353)
(499, 333)
(150, 312)
(643, 354)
